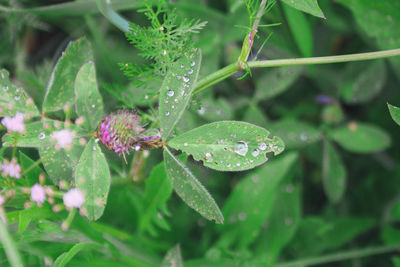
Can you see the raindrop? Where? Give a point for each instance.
(176, 100)
(166, 101)
(94, 148)
(182, 66)
(42, 136)
(255, 152)
(241, 148)
(190, 71)
(146, 97)
(228, 165)
(201, 111)
(186, 79)
(137, 147)
(5, 88)
(193, 63)
(208, 157)
(170, 93)
(93, 106)
(167, 113)
(164, 52)
(179, 77)
(220, 141)
(185, 144)
(262, 146)
(17, 97)
(238, 164)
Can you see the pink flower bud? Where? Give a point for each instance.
(37, 194)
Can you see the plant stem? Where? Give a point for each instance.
(353, 254)
(233, 68)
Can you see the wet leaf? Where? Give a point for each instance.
(333, 173)
(395, 113)
(176, 91)
(92, 177)
(228, 145)
(14, 99)
(60, 89)
(173, 258)
(89, 103)
(361, 137)
(190, 189)
(308, 6)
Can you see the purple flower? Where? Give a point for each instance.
(14, 124)
(73, 198)
(324, 99)
(38, 194)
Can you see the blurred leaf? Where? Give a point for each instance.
(396, 261)
(371, 15)
(173, 258)
(14, 99)
(228, 145)
(32, 176)
(308, 6)
(176, 91)
(66, 257)
(25, 217)
(295, 134)
(361, 137)
(329, 234)
(190, 189)
(276, 81)
(89, 103)
(362, 81)
(281, 224)
(390, 235)
(92, 176)
(60, 89)
(252, 200)
(395, 113)
(301, 30)
(9, 246)
(158, 191)
(334, 173)
(215, 110)
(255, 115)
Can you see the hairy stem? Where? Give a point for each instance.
(341, 256)
(233, 68)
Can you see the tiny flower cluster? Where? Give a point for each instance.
(14, 124)
(11, 169)
(64, 138)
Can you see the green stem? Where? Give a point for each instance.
(116, 19)
(341, 256)
(233, 68)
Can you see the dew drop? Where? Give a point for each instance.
(146, 97)
(17, 97)
(182, 66)
(93, 106)
(186, 79)
(193, 63)
(201, 111)
(176, 100)
(262, 146)
(208, 157)
(170, 93)
(255, 152)
(303, 137)
(5, 88)
(241, 148)
(190, 71)
(94, 148)
(167, 113)
(179, 77)
(185, 144)
(42, 136)
(238, 164)
(229, 165)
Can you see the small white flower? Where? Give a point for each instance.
(14, 124)
(38, 194)
(64, 138)
(12, 169)
(73, 198)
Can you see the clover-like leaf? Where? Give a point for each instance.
(60, 89)
(190, 189)
(92, 176)
(228, 145)
(14, 99)
(176, 91)
(89, 103)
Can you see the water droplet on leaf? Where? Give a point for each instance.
(167, 113)
(241, 148)
(262, 146)
(42, 136)
(170, 93)
(255, 152)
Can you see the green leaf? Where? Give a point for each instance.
(9, 246)
(89, 103)
(38, 134)
(363, 81)
(32, 176)
(228, 145)
(308, 6)
(380, 21)
(66, 257)
(251, 201)
(215, 110)
(26, 216)
(255, 115)
(60, 89)
(14, 99)
(158, 191)
(276, 81)
(295, 134)
(361, 137)
(92, 176)
(173, 258)
(176, 91)
(301, 30)
(284, 219)
(190, 189)
(333, 173)
(395, 113)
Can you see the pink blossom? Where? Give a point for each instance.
(1, 200)
(14, 124)
(73, 198)
(37, 194)
(12, 169)
(64, 138)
